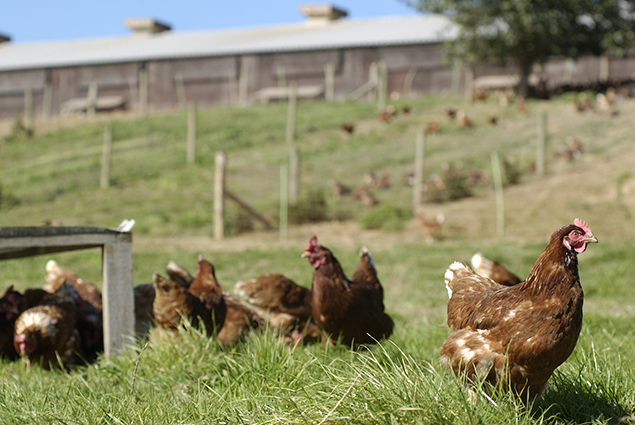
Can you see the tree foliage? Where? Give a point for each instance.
(528, 32)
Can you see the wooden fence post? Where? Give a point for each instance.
(91, 98)
(179, 83)
(469, 85)
(500, 200)
(382, 85)
(372, 81)
(104, 180)
(418, 171)
(456, 78)
(294, 157)
(219, 195)
(542, 144)
(47, 100)
(232, 85)
(284, 201)
(281, 76)
(407, 83)
(191, 132)
(29, 114)
(143, 91)
(243, 84)
(329, 82)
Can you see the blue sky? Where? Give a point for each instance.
(38, 20)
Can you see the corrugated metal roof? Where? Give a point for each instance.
(343, 33)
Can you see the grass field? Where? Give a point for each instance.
(55, 176)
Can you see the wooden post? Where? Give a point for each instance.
(29, 114)
(418, 171)
(382, 85)
(143, 91)
(567, 75)
(372, 81)
(469, 84)
(179, 83)
(134, 92)
(294, 157)
(191, 132)
(329, 82)
(407, 83)
(118, 295)
(281, 76)
(542, 144)
(219, 195)
(243, 84)
(456, 78)
(284, 201)
(498, 187)
(604, 68)
(104, 181)
(47, 100)
(232, 85)
(91, 98)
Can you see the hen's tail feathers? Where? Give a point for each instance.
(451, 273)
(481, 265)
(364, 252)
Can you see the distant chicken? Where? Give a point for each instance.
(349, 311)
(514, 337)
(365, 196)
(405, 108)
(387, 114)
(493, 270)
(281, 302)
(432, 127)
(462, 120)
(44, 332)
(348, 127)
(521, 106)
(493, 120)
(339, 189)
(431, 227)
(449, 112)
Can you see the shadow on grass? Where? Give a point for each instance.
(582, 401)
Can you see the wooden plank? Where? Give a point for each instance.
(247, 208)
(104, 179)
(191, 133)
(219, 195)
(117, 295)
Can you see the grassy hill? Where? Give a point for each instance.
(55, 177)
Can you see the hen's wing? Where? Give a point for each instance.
(476, 302)
(493, 270)
(172, 302)
(240, 319)
(276, 298)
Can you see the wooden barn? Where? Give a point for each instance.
(328, 56)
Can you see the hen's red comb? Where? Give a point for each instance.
(581, 224)
(313, 242)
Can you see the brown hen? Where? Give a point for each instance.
(348, 310)
(514, 337)
(493, 269)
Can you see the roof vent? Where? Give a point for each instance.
(4, 38)
(321, 13)
(146, 26)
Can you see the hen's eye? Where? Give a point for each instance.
(575, 234)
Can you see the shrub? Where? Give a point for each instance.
(385, 217)
(309, 209)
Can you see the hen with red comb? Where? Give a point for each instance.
(514, 337)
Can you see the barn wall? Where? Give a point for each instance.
(214, 81)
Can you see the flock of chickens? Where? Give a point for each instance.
(510, 333)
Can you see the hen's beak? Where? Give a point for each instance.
(591, 239)
(305, 254)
